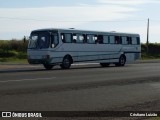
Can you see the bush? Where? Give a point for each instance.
(8, 53)
(13, 48)
(13, 45)
(153, 50)
(22, 55)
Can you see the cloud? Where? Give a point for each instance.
(67, 13)
(29, 18)
(127, 2)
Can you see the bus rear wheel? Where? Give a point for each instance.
(122, 61)
(104, 64)
(48, 67)
(66, 63)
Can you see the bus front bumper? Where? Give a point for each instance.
(38, 61)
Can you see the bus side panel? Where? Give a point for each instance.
(129, 57)
(94, 53)
(132, 53)
(115, 52)
(65, 49)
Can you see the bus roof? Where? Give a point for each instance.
(73, 30)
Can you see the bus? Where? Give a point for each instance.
(64, 47)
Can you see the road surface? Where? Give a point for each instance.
(81, 88)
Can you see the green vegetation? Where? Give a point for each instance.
(153, 51)
(16, 51)
(13, 50)
(154, 118)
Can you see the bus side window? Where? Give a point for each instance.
(138, 40)
(118, 40)
(124, 40)
(62, 37)
(74, 38)
(54, 40)
(100, 39)
(134, 40)
(95, 39)
(129, 40)
(105, 39)
(80, 38)
(111, 39)
(66, 37)
(91, 39)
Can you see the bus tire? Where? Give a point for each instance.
(122, 61)
(48, 67)
(104, 64)
(66, 63)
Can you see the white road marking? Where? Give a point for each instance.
(33, 79)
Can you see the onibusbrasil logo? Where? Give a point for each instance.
(21, 114)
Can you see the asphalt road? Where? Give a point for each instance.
(81, 88)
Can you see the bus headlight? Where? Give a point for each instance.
(46, 57)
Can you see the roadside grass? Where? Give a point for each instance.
(154, 118)
(24, 60)
(149, 57)
(13, 60)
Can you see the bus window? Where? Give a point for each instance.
(124, 40)
(33, 41)
(117, 40)
(111, 39)
(62, 37)
(138, 40)
(43, 40)
(95, 38)
(134, 40)
(54, 40)
(74, 38)
(129, 41)
(80, 38)
(105, 39)
(66, 37)
(100, 39)
(91, 39)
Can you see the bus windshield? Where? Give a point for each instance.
(39, 40)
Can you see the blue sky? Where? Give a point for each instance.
(42, 3)
(19, 17)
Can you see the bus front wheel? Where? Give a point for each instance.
(48, 67)
(66, 63)
(122, 61)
